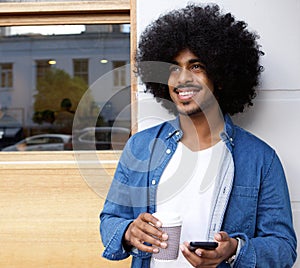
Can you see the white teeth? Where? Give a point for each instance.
(186, 93)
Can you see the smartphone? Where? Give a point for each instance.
(204, 245)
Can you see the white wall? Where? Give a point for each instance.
(276, 113)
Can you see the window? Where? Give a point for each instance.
(42, 67)
(51, 78)
(81, 69)
(49, 68)
(119, 73)
(6, 79)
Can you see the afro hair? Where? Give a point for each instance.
(228, 50)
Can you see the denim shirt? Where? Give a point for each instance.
(251, 198)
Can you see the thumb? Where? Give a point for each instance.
(222, 236)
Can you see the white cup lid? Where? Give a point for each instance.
(168, 219)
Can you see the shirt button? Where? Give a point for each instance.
(177, 133)
(168, 151)
(153, 182)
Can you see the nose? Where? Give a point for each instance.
(185, 76)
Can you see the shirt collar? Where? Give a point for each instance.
(227, 135)
(174, 129)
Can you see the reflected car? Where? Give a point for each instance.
(42, 142)
(101, 138)
(10, 135)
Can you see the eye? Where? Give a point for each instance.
(198, 67)
(174, 68)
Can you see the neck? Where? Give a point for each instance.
(201, 131)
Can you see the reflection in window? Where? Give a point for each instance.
(6, 71)
(50, 73)
(81, 69)
(42, 67)
(119, 73)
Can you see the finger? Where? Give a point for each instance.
(139, 237)
(145, 232)
(221, 237)
(147, 217)
(143, 247)
(208, 254)
(152, 230)
(148, 221)
(192, 258)
(196, 260)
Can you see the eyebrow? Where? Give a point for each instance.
(190, 61)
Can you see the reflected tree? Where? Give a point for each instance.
(52, 88)
(55, 86)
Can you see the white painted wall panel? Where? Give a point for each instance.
(275, 119)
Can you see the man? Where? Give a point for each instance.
(64, 118)
(228, 185)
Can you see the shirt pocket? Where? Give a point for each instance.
(241, 211)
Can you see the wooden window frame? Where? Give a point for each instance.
(77, 12)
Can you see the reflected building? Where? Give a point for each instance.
(88, 56)
(4, 31)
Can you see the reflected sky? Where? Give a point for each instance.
(55, 29)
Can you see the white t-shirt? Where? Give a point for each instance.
(186, 187)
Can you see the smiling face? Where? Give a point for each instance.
(189, 87)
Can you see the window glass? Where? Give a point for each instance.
(6, 81)
(119, 74)
(81, 69)
(62, 83)
(42, 68)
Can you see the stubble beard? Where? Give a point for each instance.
(189, 112)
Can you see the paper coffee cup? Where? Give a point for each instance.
(171, 224)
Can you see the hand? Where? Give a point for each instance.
(211, 258)
(145, 229)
